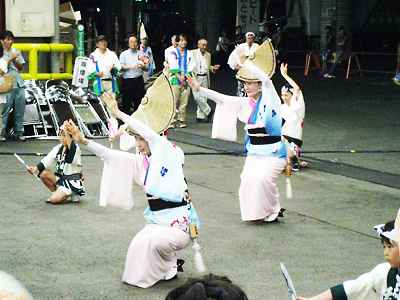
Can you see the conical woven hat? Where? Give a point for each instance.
(143, 33)
(264, 58)
(157, 108)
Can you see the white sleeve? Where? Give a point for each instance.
(117, 63)
(191, 61)
(217, 97)
(287, 113)
(99, 150)
(368, 285)
(233, 59)
(49, 159)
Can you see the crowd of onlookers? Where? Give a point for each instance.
(137, 64)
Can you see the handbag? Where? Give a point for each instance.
(6, 84)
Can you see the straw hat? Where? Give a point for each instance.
(264, 58)
(143, 34)
(157, 108)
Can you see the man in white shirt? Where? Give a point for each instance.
(104, 60)
(180, 64)
(202, 70)
(133, 64)
(248, 48)
(174, 45)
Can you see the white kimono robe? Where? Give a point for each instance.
(152, 252)
(258, 192)
(294, 117)
(381, 283)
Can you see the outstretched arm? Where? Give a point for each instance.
(284, 72)
(327, 295)
(210, 94)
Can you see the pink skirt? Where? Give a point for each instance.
(152, 255)
(258, 191)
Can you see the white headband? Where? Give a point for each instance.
(250, 34)
(391, 235)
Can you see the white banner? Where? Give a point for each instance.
(248, 15)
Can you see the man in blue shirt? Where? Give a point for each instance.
(132, 65)
(16, 97)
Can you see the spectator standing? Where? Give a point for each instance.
(342, 45)
(148, 57)
(133, 66)
(3, 98)
(174, 45)
(16, 98)
(202, 70)
(329, 46)
(248, 48)
(181, 64)
(222, 49)
(104, 61)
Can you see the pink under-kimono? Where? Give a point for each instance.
(266, 153)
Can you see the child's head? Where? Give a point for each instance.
(390, 247)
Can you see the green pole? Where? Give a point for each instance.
(80, 41)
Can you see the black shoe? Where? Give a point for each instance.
(179, 263)
(280, 214)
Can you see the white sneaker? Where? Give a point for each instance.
(271, 218)
(171, 273)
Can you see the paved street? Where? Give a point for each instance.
(78, 251)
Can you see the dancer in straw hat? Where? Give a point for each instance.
(266, 153)
(171, 218)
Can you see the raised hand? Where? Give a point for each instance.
(111, 103)
(193, 83)
(74, 132)
(284, 69)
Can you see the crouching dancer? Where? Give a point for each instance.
(66, 182)
(158, 169)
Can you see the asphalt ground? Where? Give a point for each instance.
(77, 251)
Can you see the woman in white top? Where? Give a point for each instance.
(3, 71)
(293, 111)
